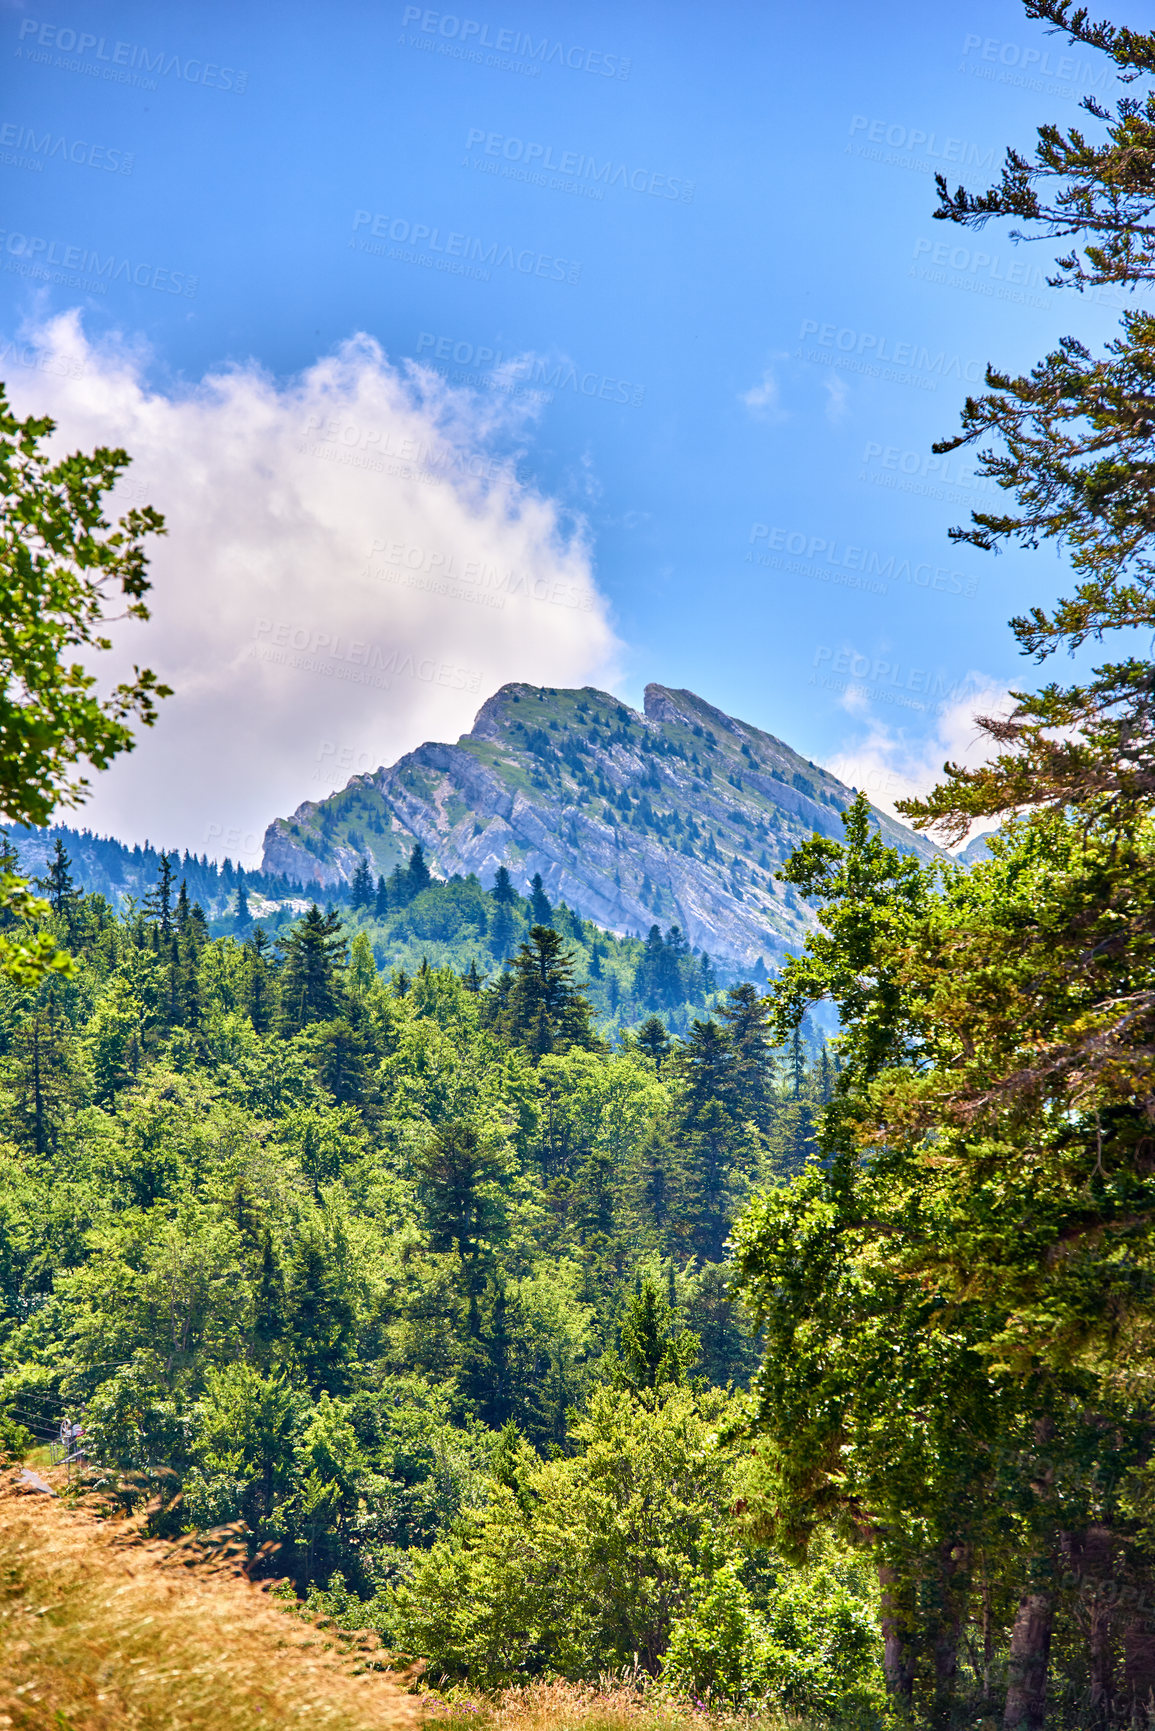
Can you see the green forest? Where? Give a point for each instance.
(555, 1342)
(361, 1261)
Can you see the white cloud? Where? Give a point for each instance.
(762, 399)
(837, 394)
(888, 766)
(349, 569)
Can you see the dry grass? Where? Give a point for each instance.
(100, 1632)
(611, 1706)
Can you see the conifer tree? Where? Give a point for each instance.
(361, 895)
(158, 902)
(313, 951)
(653, 1353)
(503, 890)
(544, 1010)
(540, 911)
(242, 918)
(417, 873)
(259, 999)
(471, 978)
(654, 1040)
(398, 888)
(797, 1064)
(750, 1086)
(58, 883)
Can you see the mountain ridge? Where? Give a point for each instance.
(676, 815)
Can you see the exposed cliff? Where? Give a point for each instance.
(678, 816)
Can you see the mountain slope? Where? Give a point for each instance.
(678, 816)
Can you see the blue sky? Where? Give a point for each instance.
(703, 235)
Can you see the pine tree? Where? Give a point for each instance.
(503, 890)
(546, 1012)
(705, 1134)
(381, 901)
(797, 1064)
(259, 996)
(361, 889)
(242, 918)
(471, 978)
(653, 1354)
(58, 883)
(43, 1079)
(654, 1040)
(502, 931)
(313, 951)
(541, 913)
(750, 1085)
(417, 873)
(398, 888)
(158, 902)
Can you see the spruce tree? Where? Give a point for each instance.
(654, 1040)
(158, 902)
(361, 894)
(242, 918)
(313, 951)
(503, 890)
(58, 883)
(259, 982)
(546, 1012)
(541, 913)
(750, 1084)
(471, 979)
(417, 873)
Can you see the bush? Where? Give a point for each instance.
(812, 1650)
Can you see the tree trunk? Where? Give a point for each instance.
(951, 1589)
(1138, 1634)
(1090, 1556)
(897, 1645)
(1027, 1670)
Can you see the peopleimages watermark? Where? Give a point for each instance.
(943, 477)
(524, 159)
(976, 271)
(923, 688)
(901, 146)
(24, 147)
(355, 445)
(878, 356)
(844, 563)
(243, 843)
(1017, 63)
(355, 660)
(438, 572)
(120, 62)
(335, 758)
(459, 254)
(84, 267)
(41, 360)
(525, 372)
(466, 38)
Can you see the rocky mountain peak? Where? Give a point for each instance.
(677, 817)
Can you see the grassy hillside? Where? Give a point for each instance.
(101, 1632)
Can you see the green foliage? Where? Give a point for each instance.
(59, 564)
(811, 1645)
(311, 1242)
(584, 1563)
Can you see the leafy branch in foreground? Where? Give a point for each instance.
(58, 565)
(61, 564)
(1074, 186)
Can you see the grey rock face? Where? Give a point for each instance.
(676, 817)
